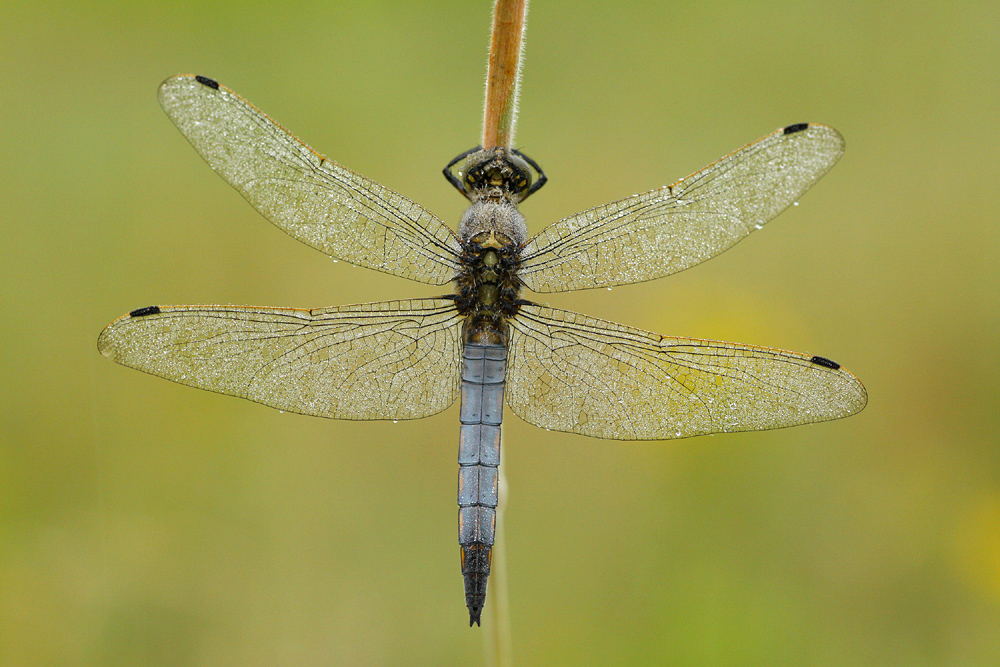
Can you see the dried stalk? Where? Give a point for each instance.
(503, 74)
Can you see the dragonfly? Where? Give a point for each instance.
(482, 341)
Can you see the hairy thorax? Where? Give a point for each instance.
(488, 286)
(498, 215)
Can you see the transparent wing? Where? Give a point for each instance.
(389, 360)
(672, 228)
(570, 372)
(317, 201)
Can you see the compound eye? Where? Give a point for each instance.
(474, 170)
(520, 178)
(471, 180)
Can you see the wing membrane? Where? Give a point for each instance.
(317, 201)
(672, 228)
(389, 360)
(570, 372)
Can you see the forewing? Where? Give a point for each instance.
(317, 201)
(570, 372)
(672, 228)
(389, 360)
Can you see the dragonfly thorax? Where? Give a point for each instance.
(488, 285)
(493, 216)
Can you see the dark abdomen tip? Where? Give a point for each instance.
(476, 560)
(205, 81)
(142, 312)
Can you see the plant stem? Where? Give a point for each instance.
(503, 73)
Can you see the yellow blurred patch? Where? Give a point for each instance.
(977, 546)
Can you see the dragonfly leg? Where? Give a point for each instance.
(454, 180)
(542, 178)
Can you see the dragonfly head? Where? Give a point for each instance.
(495, 173)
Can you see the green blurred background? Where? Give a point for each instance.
(146, 523)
